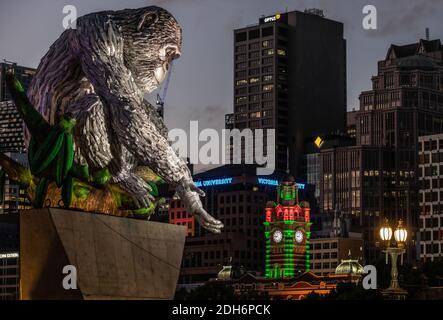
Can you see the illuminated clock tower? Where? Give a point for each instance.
(287, 231)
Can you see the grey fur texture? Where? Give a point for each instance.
(99, 72)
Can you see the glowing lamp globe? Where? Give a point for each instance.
(400, 234)
(386, 231)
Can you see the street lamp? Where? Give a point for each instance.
(400, 234)
(386, 231)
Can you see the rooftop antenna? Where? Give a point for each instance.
(427, 34)
(287, 160)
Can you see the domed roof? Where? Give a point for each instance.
(416, 61)
(349, 267)
(225, 273)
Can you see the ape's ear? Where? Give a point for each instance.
(147, 19)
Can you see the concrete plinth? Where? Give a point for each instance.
(115, 258)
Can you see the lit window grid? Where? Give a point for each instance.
(425, 202)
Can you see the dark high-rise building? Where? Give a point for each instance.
(11, 125)
(351, 123)
(23, 74)
(378, 176)
(11, 128)
(9, 257)
(11, 136)
(290, 75)
(430, 174)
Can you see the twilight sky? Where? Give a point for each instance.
(201, 85)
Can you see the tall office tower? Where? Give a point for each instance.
(430, 174)
(378, 176)
(23, 74)
(11, 135)
(290, 75)
(11, 128)
(9, 259)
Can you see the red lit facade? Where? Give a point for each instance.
(179, 216)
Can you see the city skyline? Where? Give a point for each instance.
(201, 89)
(343, 195)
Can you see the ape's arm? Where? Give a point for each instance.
(99, 47)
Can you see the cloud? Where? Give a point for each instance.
(409, 19)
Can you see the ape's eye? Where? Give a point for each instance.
(169, 53)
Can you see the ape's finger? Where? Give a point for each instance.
(212, 229)
(200, 192)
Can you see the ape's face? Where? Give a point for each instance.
(155, 45)
(167, 53)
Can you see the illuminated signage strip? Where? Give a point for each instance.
(213, 182)
(8, 255)
(274, 18)
(226, 181)
(273, 182)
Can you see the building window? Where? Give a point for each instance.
(254, 55)
(241, 91)
(267, 104)
(240, 57)
(254, 72)
(253, 89)
(268, 69)
(239, 37)
(254, 98)
(254, 63)
(267, 113)
(268, 52)
(255, 114)
(240, 74)
(254, 46)
(267, 95)
(254, 106)
(254, 34)
(268, 60)
(281, 52)
(241, 99)
(267, 43)
(241, 48)
(268, 87)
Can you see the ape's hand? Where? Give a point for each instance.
(190, 195)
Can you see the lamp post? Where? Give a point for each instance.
(400, 234)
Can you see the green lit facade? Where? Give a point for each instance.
(287, 233)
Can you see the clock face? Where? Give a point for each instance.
(299, 236)
(277, 236)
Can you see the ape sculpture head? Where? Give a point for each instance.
(152, 40)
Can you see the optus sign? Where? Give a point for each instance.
(272, 18)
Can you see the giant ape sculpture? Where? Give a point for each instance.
(98, 73)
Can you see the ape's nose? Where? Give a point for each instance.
(174, 53)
